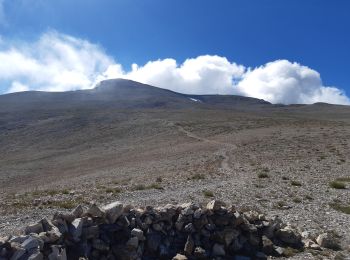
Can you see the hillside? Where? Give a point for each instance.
(143, 145)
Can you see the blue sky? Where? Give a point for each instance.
(250, 33)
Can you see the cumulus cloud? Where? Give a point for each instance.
(201, 75)
(58, 62)
(285, 82)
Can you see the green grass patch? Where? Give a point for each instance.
(341, 208)
(208, 193)
(337, 185)
(343, 179)
(113, 190)
(297, 200)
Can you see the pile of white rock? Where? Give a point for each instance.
(186, 231)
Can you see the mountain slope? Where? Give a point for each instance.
(121, 94)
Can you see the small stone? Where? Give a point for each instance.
(251, 216)
(95, 211)
(189, 228)
(328, 241)
(19, 252)
(197, 214)
(36, 255)
(189, 246)
(78, 211)
(133, 243)
(34, 228)
(153, 241)
(91, 232)
(157, 227)
(267, 245)
(100, 245)
(308, 243)
(138, 233)
(53, 235)
(289, 236)
(199, 252)
(279, 250)
(218, 250)
(215, 205)
(113, 211)
(230, 235)
(180, 257)
(58, 253)
(76, 228)
(31, 243)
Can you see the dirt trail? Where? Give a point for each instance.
(223, 152)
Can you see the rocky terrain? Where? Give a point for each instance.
(59, 150)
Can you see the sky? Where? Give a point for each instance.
(290, 51)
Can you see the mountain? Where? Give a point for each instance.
(121, 94)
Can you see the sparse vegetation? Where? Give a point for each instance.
(151, 186)
(289, 252)
(140, 187)
(337, 185)
(297, 200)
(281, 204)
(208, 194)
(197, 176)
(308, 197)
(155, 186)
(65, 204)
(341, 208)
(295, 183)
(113, 190)
(263, 175)
(343, 179)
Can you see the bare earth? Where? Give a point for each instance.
(279, 161)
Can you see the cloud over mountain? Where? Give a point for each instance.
(58, 62)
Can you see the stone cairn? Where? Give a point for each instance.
(185, 231)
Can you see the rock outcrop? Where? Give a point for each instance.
(185, 231)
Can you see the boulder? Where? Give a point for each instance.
(218, 250)
(289, 236)
(328, 240)
(95, 211)
(113, 211)
(58, 253)
(215, 205)
(34, 228)
(133, 243)
(76, 229)
(138, 233)
(179, 257)
(189, 246)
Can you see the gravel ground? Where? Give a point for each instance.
(277, 163)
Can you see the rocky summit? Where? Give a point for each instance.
(186, 231)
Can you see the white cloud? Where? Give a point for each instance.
(201, 75)
(17, 87)
(58, 62)
(284, 82)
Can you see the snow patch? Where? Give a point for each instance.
(195, 100)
